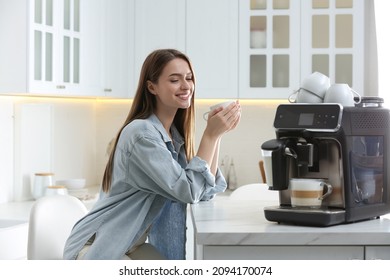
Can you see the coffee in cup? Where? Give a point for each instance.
(222, 104)
(309, 192)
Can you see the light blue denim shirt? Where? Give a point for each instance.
(152, 183)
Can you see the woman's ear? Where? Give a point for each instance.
(151, 87)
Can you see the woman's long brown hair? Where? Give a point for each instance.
(144, 105)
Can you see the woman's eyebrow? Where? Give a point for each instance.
(179, 74)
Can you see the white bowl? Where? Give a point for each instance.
(72, 183)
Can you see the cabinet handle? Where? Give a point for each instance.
(60, 86)
(107, 90)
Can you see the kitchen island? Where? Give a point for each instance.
(237, 229)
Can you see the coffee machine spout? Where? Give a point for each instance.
(276, 153)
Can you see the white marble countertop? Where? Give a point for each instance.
(234, 222)
(21, 210)
(16, 210)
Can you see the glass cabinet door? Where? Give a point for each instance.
(70, 37)
(269, 47)
(55, 38)
(43, 40)
(284, 41)
(332, 34)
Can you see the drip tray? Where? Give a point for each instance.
(305, 217)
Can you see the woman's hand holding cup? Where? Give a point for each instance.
(223, 117)
(216, 106)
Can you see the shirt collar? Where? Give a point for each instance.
(177, 138)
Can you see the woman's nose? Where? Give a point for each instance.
(185, 85)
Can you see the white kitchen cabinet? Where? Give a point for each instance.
(377, 253)
(333, 40)
(269, 48)
(108, 48)
(283, 41)
(207, 31)
(158, 24)
(234, 229)
(91, 50)
(54, 50)
(212, 46)
(14, 46)
(295, 252)
(13, 239)
(43, 47)
(117, 49)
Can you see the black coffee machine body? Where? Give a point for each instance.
(345, 146)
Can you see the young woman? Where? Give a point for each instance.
(153, 171)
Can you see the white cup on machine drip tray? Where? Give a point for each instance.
(309, 193)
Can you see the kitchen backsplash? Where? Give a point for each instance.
(70, 138)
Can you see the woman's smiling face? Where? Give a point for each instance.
(175, 86)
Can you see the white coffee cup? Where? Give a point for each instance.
(342, 94)
(308, 192)
(316, 83)
(312, 90)
(304, 96)
(222, 104)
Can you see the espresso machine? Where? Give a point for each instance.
(345, 146)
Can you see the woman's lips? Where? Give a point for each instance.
(184, 96)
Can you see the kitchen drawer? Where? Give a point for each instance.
(377, 252)
(13, 239)
(283, 252)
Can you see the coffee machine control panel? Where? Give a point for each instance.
(312, 117)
